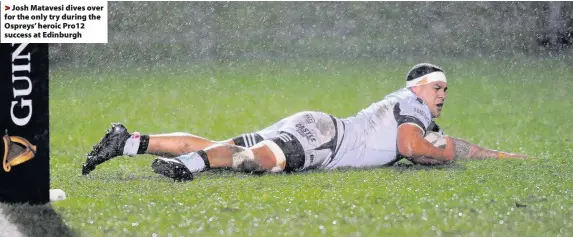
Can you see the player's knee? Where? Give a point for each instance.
(265, 156)
(273, 155)
(245, 161)
(249, 166)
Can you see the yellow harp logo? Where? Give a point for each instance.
(17, 150)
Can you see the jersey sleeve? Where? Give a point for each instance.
(414, 112)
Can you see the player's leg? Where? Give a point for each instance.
(176, 144)
(303, 142)
(247, 152)
(118, 141)
(222, 155)
(264, 156)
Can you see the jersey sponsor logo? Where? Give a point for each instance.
(422, 113)
(303, 131)
(309, 118)
(317, 157)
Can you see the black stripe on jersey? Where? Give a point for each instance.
(434, 127)
(333, 144)
(401, 119)
(247, 139)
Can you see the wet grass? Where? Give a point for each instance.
(520, 105)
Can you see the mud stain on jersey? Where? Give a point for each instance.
(325, 128)
(379, 116)
(382, 111)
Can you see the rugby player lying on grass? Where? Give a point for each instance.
(380, 134)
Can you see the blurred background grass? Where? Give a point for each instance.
(182, 32)
(219, 69)
(516, 105)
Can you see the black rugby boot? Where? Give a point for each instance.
(110, 146)
(171, 168)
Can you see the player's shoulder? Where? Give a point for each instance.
(406, 96)
(411, 106)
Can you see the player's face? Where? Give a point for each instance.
(434, 94)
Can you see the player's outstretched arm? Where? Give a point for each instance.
(465, 150)
(412, 145)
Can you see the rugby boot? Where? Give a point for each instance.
(110, 146)
(172, 168)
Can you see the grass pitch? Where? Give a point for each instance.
(516, 105)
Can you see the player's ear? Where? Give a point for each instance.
(415, 89)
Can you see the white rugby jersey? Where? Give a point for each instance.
(370, 136)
